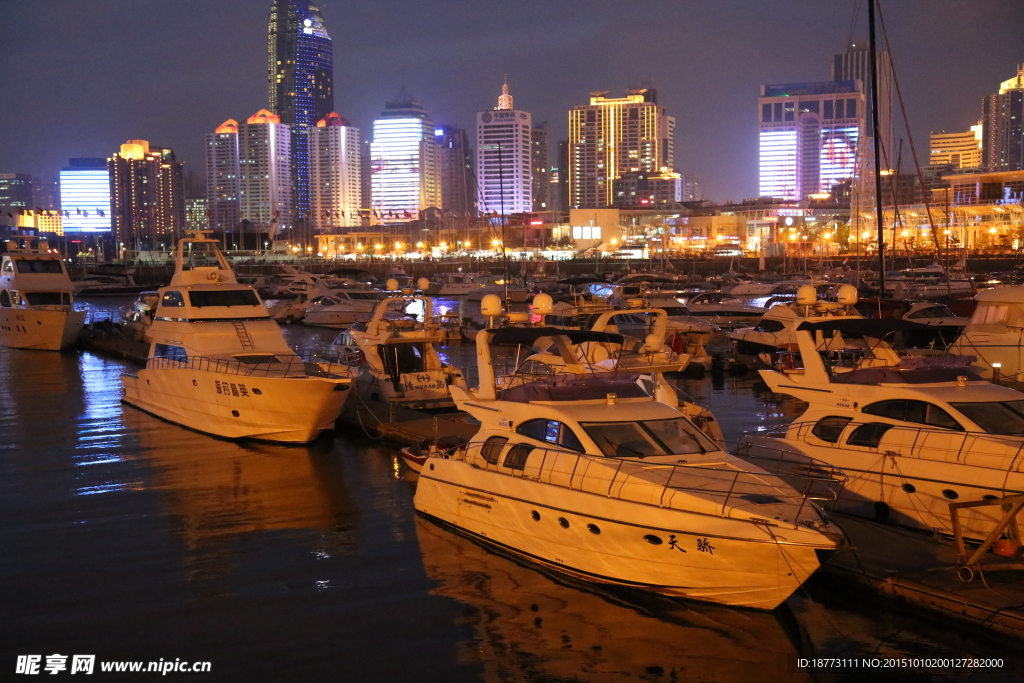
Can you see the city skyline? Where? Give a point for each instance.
(219, 68)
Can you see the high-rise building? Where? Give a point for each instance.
(85, 196)
(693, 189)
(648, 189)
(265, 180)
(301, 78)
(406, 160)
(562, 184)
(223, 191)
(147, 195)
(855, 65)
(1003, 126)
(541, 168)
(458, 186)
(959, 150)
(613, 136)
(504, 178)
(810, 136)
(335, 178)
(197, 213)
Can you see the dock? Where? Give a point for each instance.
(923, 571)
(405, 426)
(108, 340)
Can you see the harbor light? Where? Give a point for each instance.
(495, 243)
(419, 245)
(866, 234)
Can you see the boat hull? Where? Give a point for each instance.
(732, 562)
(44, 330)
(291, 410)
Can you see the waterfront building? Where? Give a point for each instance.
(810, 136)
(959, 150)
(301, 80)
(541, 168)
(693, 189)
(223, 190)
(1003, 126)
(458, 185)
(265, 179)
(335, 178)
(147, 195)
(560, 178)
(17, 193)
(504, 178)
(406, 160)
(648, 189)
(85, 196)
(612, 136)
(197, 213)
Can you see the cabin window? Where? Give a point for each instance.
(551, 431)
(39, 266)
(5, 298)
(517, 455)
(223, 297)
(170, 352)
(830, 428)
(401, 359)
(868, 434)
(995, 417)
(990, 315)
(47, 298)
(172, 299)
(919, 412)
(8, 266)
(770, 326)
(492, 448)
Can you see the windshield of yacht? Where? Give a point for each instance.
(674, 436)
(995, 417)
(38, 265)
(223, 297)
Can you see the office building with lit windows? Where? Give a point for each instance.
(265, 178)
(1002, 119)
(147, 195)
(503, 158)
(85, 196)
(958, 150)
(222, 177)
(301, 79)
(810, 135)
(405, 159)
(540, 168)
(855, 65)
(458, 183)
(610, 137)
(335, 187)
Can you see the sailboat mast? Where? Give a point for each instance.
(878, 157)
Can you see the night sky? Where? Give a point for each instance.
(78, 78)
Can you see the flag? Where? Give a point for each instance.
(101, 213)
(375, 214)
(406, 214)
(79, 211)
(494, 213)
(342, 212)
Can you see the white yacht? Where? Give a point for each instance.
(721, 308)
(589, 474)
(504, 288)
(912, 434)
(220, 365)
(777, 329)
(342, 307)
(456, 284)
(396, 354)
(995, 333)
(36, 300)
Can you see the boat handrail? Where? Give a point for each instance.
(304, 364)
(794, 482)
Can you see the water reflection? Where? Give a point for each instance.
(527, 626)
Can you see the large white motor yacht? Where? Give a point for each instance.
(995, 334)
(220, 365)
(342, 307)
(912, 434)
(587, 473)
(36, 300)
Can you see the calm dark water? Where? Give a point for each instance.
(130, 538)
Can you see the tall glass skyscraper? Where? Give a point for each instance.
(301, 81)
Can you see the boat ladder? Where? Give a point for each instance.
(243, 335)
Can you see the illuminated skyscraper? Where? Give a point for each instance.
(301, 81)
(85, 196)
(458, 187)
(611, 137)
(1003, 125)
(504, 178)
(406, 160)
(855, 65)
(265, 180)
(222, 176)
(334, 174)
(147, 195)
(810, 136)
(959, 150)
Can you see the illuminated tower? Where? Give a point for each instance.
(147, 195)
(504, 178)
(406, 160)
(85, 196)
(222, 176)
(335, 188)
(301, 81)
(265, 179)
(613, 136)
(1003, 125)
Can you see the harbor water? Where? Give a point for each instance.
(133, 539)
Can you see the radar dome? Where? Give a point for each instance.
(847, 295)
(391, 285)
(806, 296)
(490, 305)
(543, 304)
(423, 284)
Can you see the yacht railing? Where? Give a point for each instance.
(790, 482)
(306, 364)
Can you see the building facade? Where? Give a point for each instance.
(503, 157)
(405, 159)
(265, 179)
(959, 150)
(301, 80)
(458, 184)
(855, 65)
(648, 190)
(335, 174)
(1002, 119)
(541, 168)
(147, 195)
(85, 196)
(810, 137)
(223, 190)
(612, 136)
(197, 213)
